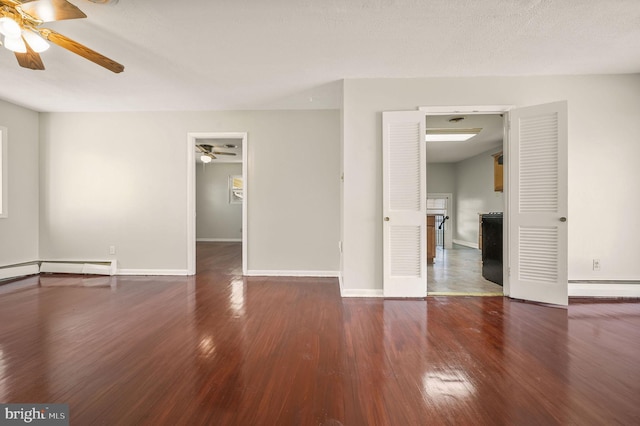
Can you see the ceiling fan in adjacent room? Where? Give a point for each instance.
(209, 152)
(22, 33)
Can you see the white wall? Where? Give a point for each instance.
(475, 194)
(121, 179)
(441, 178)
(19, 231)
(603, 156)
(216, 218)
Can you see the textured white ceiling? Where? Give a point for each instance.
(255, 54)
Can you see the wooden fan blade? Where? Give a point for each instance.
(30, 59)
(223, 153)
(52, 10)
(10, 3)
(81, 50)
(202, 149)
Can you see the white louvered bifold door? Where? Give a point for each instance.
(538, 203)
(404, 171)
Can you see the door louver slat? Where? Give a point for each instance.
(404, 177)
(406, 254)
(538, 254)
(538, 164)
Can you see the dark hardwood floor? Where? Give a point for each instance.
(220, 349)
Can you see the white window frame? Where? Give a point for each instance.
(449, 224)
(235, 195)
(4, 173)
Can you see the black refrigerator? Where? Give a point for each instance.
(492, 247)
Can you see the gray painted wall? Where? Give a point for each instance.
(216, 218)
(441, 177)
(121, 179)
(471, 183)
(602, 160)
(19, 230)
(475, 194)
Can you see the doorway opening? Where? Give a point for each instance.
(535, 205)
(462, 187)
(217, 205)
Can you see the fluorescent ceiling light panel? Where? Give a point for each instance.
(450, 135)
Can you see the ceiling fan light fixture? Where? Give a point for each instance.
(37, 43)
(205, 159)
(15, 44)
(450, 135)
(29, 15)
(9, 27)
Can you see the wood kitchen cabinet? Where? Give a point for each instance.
(431, 238)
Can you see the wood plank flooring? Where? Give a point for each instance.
(220, 349)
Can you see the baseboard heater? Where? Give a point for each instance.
(604, 288)
(106, 267)
(17, 271)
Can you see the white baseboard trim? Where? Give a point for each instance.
(19, 271)
(219, 240)
(288, 273)
(152, 272)
(466, 244)
(604, 289)
(365, 292)
(94, 267)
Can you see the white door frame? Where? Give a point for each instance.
(484, 110)
(192, 138)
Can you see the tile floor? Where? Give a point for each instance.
(459, 271)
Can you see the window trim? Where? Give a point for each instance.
(236, 195)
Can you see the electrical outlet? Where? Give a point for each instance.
(596, 264)
(112, 249)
